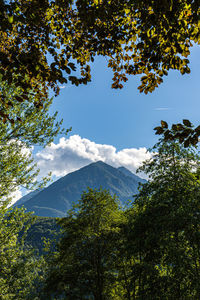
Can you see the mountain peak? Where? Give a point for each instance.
(99, 163)
(102, 165)
(57, 198)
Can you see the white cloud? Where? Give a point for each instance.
(75, 152)
(15, 196)
(162, 108)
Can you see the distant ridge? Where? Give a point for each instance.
(130, 174)
(57, 198)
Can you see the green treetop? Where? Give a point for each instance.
(84, 265)
(163, 232)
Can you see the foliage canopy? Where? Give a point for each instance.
(164, 225)
(21, 273)
(185, 132)
(84, 266)
(28, 126)
(44, 43)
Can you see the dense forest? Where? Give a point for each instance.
(149, 250)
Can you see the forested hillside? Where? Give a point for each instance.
(43, 229)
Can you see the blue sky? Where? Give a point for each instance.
(125, 118)
(116, 126)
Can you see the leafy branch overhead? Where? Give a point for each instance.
(185, 133)
(47, 43)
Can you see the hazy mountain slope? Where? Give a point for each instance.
(27, 197)
(55, 200)
(130, 174)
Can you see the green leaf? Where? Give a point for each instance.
(197, 129)
(159, 130)
(187, 143)
(187, 123)
(164, 124)
(68, 70)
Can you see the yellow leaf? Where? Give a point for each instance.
(10, 19)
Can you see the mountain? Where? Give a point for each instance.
(57, 198)
(27, 197)
(130, 174)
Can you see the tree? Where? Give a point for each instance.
(185, 133)
(28, 126)
(20, 270)
(163, 230)
(17, 169)
(44, 42)
(29, 123)
(84, 266)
